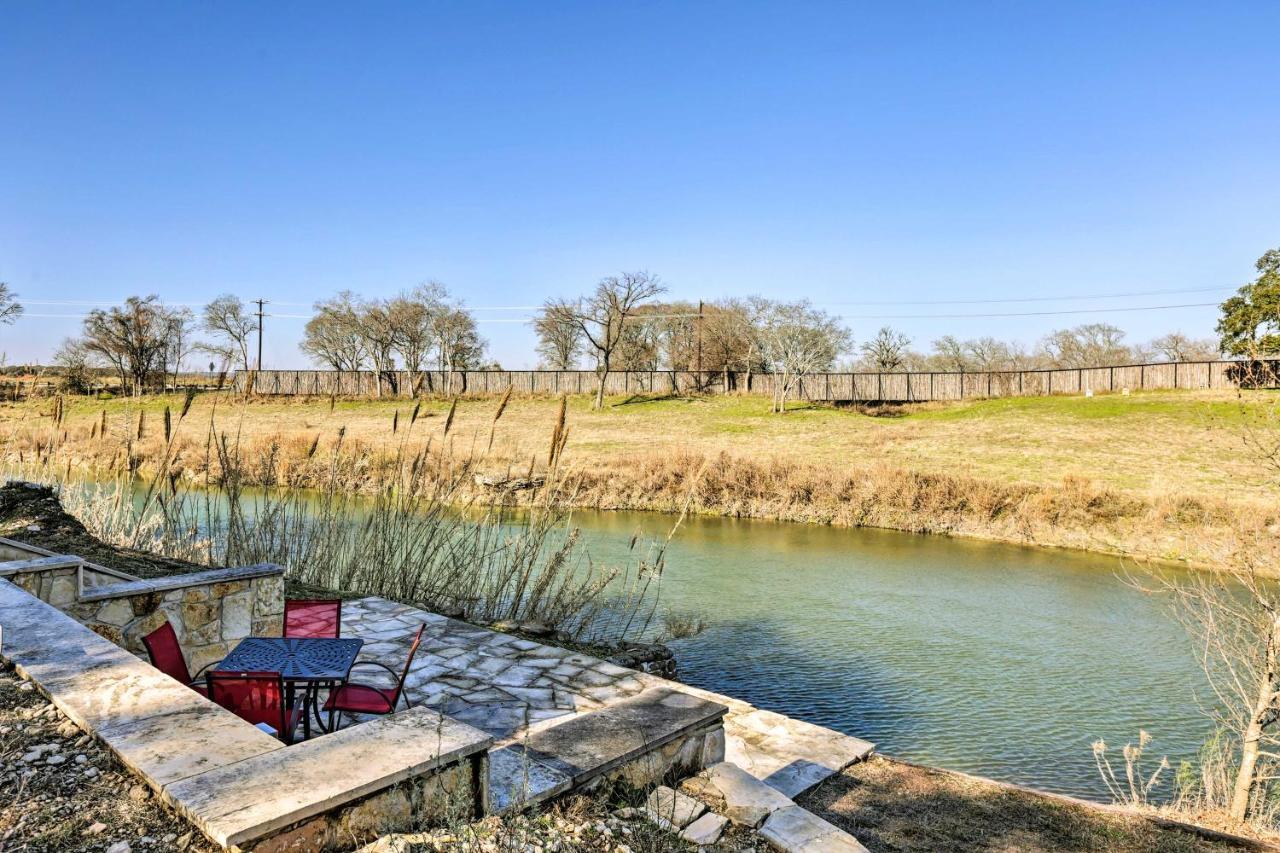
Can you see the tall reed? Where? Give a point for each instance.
(402, 523)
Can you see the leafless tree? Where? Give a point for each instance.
(75, 361)
(603, 316)
(1090, 345)
(798, 340)
(410, 315)
(377, 326)
(333, 336)
(132, 338)
(560, 342)
(458, 342)
(10, 309)
(1176, 346)
(180, 326)
(232, 326)
(951, 354)
(1233, 616)
(887, 351)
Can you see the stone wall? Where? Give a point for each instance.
(210, 611)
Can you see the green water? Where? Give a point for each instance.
(994, 659)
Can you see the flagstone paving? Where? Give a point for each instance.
(511, 688)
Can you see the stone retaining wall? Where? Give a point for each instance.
(211, 611)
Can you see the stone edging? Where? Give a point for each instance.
(141, 587)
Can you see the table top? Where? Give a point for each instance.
(295, 658)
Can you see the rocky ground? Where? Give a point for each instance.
(61, 791)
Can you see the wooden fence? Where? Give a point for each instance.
(835, 387)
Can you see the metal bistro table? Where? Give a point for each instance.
(314, 661)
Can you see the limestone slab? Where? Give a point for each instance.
(742, 798)
(789, 754)
(673, 809)
(258, 796)
(589, 745)
(796, 830)
(517, 780)
(705, 831)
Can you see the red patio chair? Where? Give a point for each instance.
(256, 697)
(312, 617)
(356, 698)
(166, 655)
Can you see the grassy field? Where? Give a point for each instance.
(1147, 474)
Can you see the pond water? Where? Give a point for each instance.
(994, 659)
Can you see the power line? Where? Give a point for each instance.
(844, 316)
(984, 301)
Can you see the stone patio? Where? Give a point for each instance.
(513, 689)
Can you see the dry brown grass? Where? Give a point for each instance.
(895, 806)
(1158, 475)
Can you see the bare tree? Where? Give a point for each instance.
(410, 315)
(1233, 617)
(377, 326)
(458, 342)
(10, 309)
(1090, 345)
(560, 341)
(603, 316)
(180, 326)
(75, 361)
(133, 338)
(951, 354)
(798, 340)
(333, 335)
(1176, 346)
(887, 351)
(232, 326)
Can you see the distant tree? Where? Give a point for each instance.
(180, 327)
(132, 338)
(988, 354)
(411, 316)
(1176, 346)
(232, 326)
(10, 309)
(1250, 323)
(1090, 345)
(74, 361)
(603, 316)
(798, 340)
(731, 336)
(951, 354)
(560, 341)
(333, 336)
(887, 350)
(458, 342)
(376, 326)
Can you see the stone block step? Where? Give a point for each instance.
(567, 755)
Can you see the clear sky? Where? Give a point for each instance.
(847, 153)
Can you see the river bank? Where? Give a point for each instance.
(1161, 476)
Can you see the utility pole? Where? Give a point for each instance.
(260, 303)
(699, 340)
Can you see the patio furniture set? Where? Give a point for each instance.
(276, 683)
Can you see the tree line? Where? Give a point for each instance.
(621, 324)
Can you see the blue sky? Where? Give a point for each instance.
(905, 152)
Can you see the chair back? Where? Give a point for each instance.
(166, 654)
(404, 673)
(312, 617)
(255, 697)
